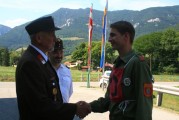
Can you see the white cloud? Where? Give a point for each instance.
(41, 5)
(52, 5)
(15, 22)
(32, 9)
(137, 4)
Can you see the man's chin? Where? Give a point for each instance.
(52, 49)
(113, 48)
(58, 61)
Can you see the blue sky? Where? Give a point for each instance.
(17, 12)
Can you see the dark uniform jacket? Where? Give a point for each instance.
(136, 87)
(38, 92)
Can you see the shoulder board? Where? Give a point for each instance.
(141, 57)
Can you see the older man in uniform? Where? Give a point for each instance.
(38, 92)
(129, 94)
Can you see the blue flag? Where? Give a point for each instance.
(103, 43)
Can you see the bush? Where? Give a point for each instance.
(170, 69)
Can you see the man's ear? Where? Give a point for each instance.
(38, 37)
(127, 36)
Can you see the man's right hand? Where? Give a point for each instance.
(83, 109)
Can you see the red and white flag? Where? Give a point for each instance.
(90, 26)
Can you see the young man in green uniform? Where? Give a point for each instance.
(129, 94)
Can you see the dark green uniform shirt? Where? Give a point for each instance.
(136, 90)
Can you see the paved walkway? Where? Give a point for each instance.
(8, 102)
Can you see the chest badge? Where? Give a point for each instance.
(55, 93)
(127, 81)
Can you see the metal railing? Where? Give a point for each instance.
(160, 89)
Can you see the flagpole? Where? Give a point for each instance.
(104, 52)
(103, 45)
(90, 26)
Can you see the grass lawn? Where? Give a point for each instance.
(7, 74)
(166, 78)
(79, 76)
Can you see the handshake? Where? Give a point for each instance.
(83, 109)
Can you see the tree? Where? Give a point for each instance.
(14, 57)
(169, 49)
(162, 49)
(148, 45)
(81, 53)
(95, 54)
(4, 57)
(1, 51)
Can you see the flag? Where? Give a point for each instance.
(103, 42)
(90, 26)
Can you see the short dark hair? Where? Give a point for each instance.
(123, 27)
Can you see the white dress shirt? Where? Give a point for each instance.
(65, 82)
(66, 85)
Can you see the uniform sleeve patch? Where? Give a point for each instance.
(148, 89)
(141, 58)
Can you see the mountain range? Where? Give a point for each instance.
(74, 24)
(4, 29)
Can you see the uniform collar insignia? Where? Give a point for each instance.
(39, 56)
